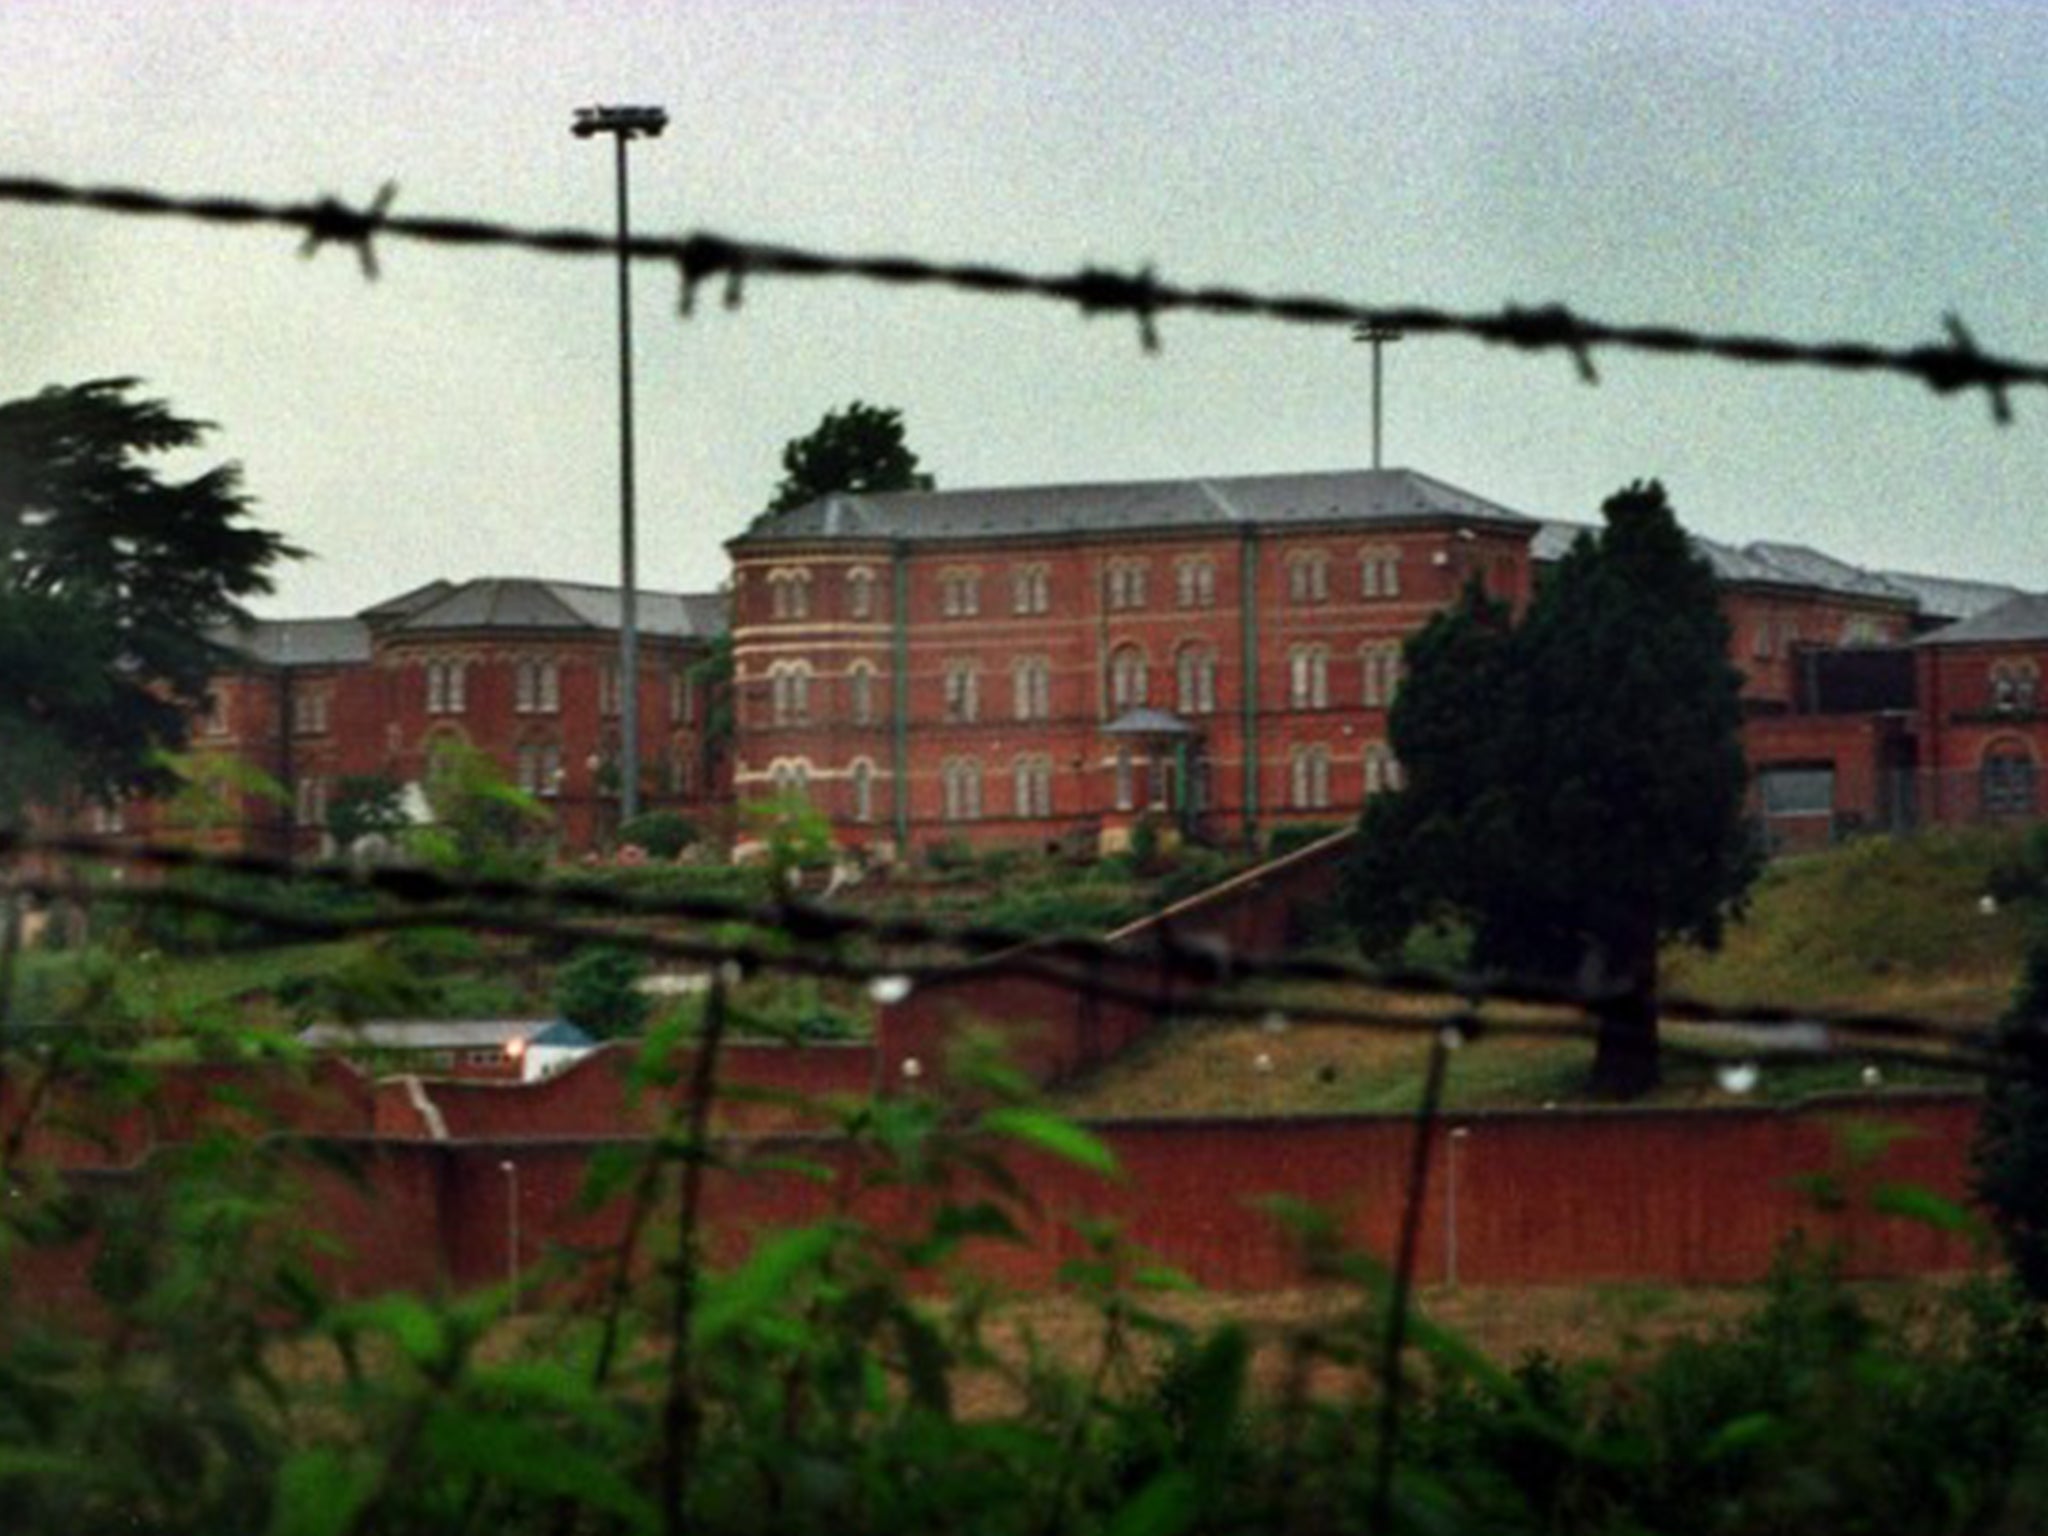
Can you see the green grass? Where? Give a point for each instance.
(1881, 923)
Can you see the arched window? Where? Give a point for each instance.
(1126, 677)
(1194, 582)
(789, 692)
(791, 777)
(447, 687)
(1308, 576)
(1126, 780)
(860, 692)
(1194, 671)
(1031, 588)
(1032, 784)
(1379, 571)
(789, 594)
(1379, 664)
(2015, 686)
(963, 691)
(536, 687)
(1382, 769)
(1309, 778)
(538, 767)
(961, 779)
(1126, 583)
(2009, 780)
(960, 592)
(1308, 677)
(862, 777)
(860, 593)
(1031, 688)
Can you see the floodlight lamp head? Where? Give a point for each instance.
(626, 122)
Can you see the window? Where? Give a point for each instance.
(2015, 686)
(310, 801)
(1379, 572)
(682, 774)
(1194, 675)
(1126, 780)
(1380, 673)
(608, 690)
(791, 778)
(1032, 783)
(2009, 780)
(1308, 677)
(1194, 582)
(961, 777)
(682, 697)
(536, 688)
(1125, 583)
(963, 692)
(1031, 589)
(538, 767)
(1126, 678)
(447, 687)
(1795, 790)
(789, 692)
(1031, 688)
(1382, 769)
(1309, 779)
(1862, 629)
(216, 721)
(1308, 577)
(309, 712)
(959, 593)
(789, 594)
(862, 777)
(106, 818)
(860, 693)
(860, 593)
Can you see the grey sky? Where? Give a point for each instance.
(1823, 170)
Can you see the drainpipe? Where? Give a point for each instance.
(1248, 610)
(899, 724)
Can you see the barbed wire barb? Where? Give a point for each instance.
(333, 222)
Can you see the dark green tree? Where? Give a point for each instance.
(858, 449)
(366, 805)
(599, 992)
(1574, 789)
(113, 574)
(2011, 1151)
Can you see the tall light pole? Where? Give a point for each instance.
(625, 124)
(1377, 337)
(511, 1171)
(1457, 1139)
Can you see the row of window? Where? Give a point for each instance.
(961, 782)
(1126, 584)
(536, 690)
(1129, 679)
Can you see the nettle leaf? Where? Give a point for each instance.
(1049, 1133)
(417, 1329)
(319, 1493)
(1923, 1205)
(528, 1453)
(766, 1279)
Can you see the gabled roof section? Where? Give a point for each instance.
(2017, 620)
(528, 603)
(1367, 497)
(1812, 568)
(408, 602)
(443, 1034)
(298, 642)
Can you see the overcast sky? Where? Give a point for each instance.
(1821, 170)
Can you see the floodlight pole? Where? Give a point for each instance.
(1376, 336)
(625, 124)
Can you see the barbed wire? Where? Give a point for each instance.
(1185, 975)
(1949, 367)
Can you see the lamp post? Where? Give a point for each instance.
(1459, 1135)
(625, 124)
(1377, 337)
(511, 1171)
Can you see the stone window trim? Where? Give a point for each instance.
(537, 686)
(1128, 682)
(1308, 677)
(789, 593)
(860, 592)
(960, 780)
(1194, 581)
(1308, 778)
(1379, 571)
(961, 691)
(1031, 588)
(1124, 582)
(1194, 671)
(960, 591)
(1308, 576)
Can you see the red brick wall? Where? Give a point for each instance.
(1960, 726)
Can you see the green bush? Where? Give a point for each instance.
(662, 834)
(1293, 835)
(598, 991)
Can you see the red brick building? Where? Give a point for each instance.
(1039, 663)
(524, 670)
(1983, 714)
(1031, 664)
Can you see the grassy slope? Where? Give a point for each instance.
(1875, 925)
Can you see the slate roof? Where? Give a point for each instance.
(1950, 597)
(1342, 496)
(2016, 620)
(442, 1034)
(1825, 571)
(529, 603)
(299, 642)
(1760, 563)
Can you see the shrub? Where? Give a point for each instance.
(598, 991)
(2011, 1151)
(664, 834)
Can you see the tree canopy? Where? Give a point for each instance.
(858, 449)
(1574, 783)
(113, 576)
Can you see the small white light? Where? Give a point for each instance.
(1262, 1062)
(1987, 904)
(1737, 1076)
(889, 989)
(912, 1069)
(1872, 1076)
